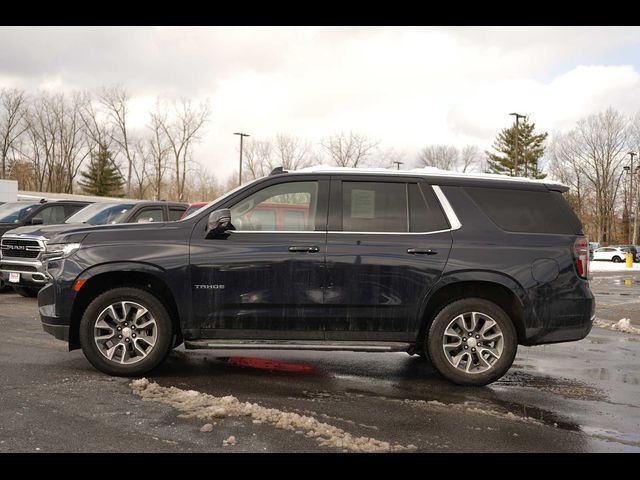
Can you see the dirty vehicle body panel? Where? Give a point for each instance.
(332, 282)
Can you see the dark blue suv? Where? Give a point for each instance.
(459, 268)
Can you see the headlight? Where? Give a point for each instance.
(60, 250)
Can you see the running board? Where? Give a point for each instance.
(298, 345)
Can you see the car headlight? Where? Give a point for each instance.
(60, 250)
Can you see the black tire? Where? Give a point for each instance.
(616, 259)
(165, 334)
(435, 337)
(27, 292)
(3, 286)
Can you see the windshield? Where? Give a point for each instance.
(14, 212)
(101, 213)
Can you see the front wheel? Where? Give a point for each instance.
(472, 342)
(126, 332)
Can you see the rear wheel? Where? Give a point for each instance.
(472, 342)
(3, 286)
(27, 292)
(616, 259)
(126, 332)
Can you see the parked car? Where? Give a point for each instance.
(25, 269)
(17, 214)
(461, 268)
(625, 248)
(194, 207)
(611, 254)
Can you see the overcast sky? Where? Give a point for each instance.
(404, 86)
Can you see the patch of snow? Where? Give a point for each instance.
(207, 427)
(606, 266)
(204, 406)
(229, 441)
(622, 325)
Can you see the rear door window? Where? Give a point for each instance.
(149, 215)
(175, 213)
(374, 207)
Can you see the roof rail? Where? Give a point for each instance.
(278, 171)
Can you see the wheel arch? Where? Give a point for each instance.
(103, 278)
(499, 289)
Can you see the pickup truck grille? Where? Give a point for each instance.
(18, 248)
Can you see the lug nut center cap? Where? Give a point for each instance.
(126, 332)
(472, 342)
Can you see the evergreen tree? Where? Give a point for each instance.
(530, 150)
(102, 178)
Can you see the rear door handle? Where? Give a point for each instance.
(421, 251)
(304, 248)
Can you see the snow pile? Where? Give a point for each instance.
(193, 404)
(606, 266)
(622, 325)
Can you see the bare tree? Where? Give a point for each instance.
(292, 153)
(258, 158)
(593, 153)
(349, 149)
(444, 157)
(182, 133)
(158, 148)
(115, 101)
(12, 124)
(471, 158)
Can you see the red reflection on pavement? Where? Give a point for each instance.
(266, 364)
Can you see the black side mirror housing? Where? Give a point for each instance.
(36, 221)
(219, 221)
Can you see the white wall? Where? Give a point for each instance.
(8, 190)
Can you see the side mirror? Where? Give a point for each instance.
(219, 221)
(36, 221)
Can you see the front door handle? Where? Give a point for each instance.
(304, 248)
(421, 251)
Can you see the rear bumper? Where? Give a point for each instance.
(569, 321)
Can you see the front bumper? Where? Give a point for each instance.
(55, 317)
(32, 273)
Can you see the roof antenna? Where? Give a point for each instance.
(278, 171)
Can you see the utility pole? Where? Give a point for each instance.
(515, 163)
(633, 211)
(398, 163)
(242, 135)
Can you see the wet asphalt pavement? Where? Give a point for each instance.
(574, 397)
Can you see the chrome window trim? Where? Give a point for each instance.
(448, 209)
(446, 206)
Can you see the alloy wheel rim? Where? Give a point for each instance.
(473, 342)
(125, 332)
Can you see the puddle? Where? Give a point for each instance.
(607, 434)
(558, 386)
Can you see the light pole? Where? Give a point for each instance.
(632, 202)
(515, 166)
(242, 135)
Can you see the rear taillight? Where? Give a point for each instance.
(581, 254)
